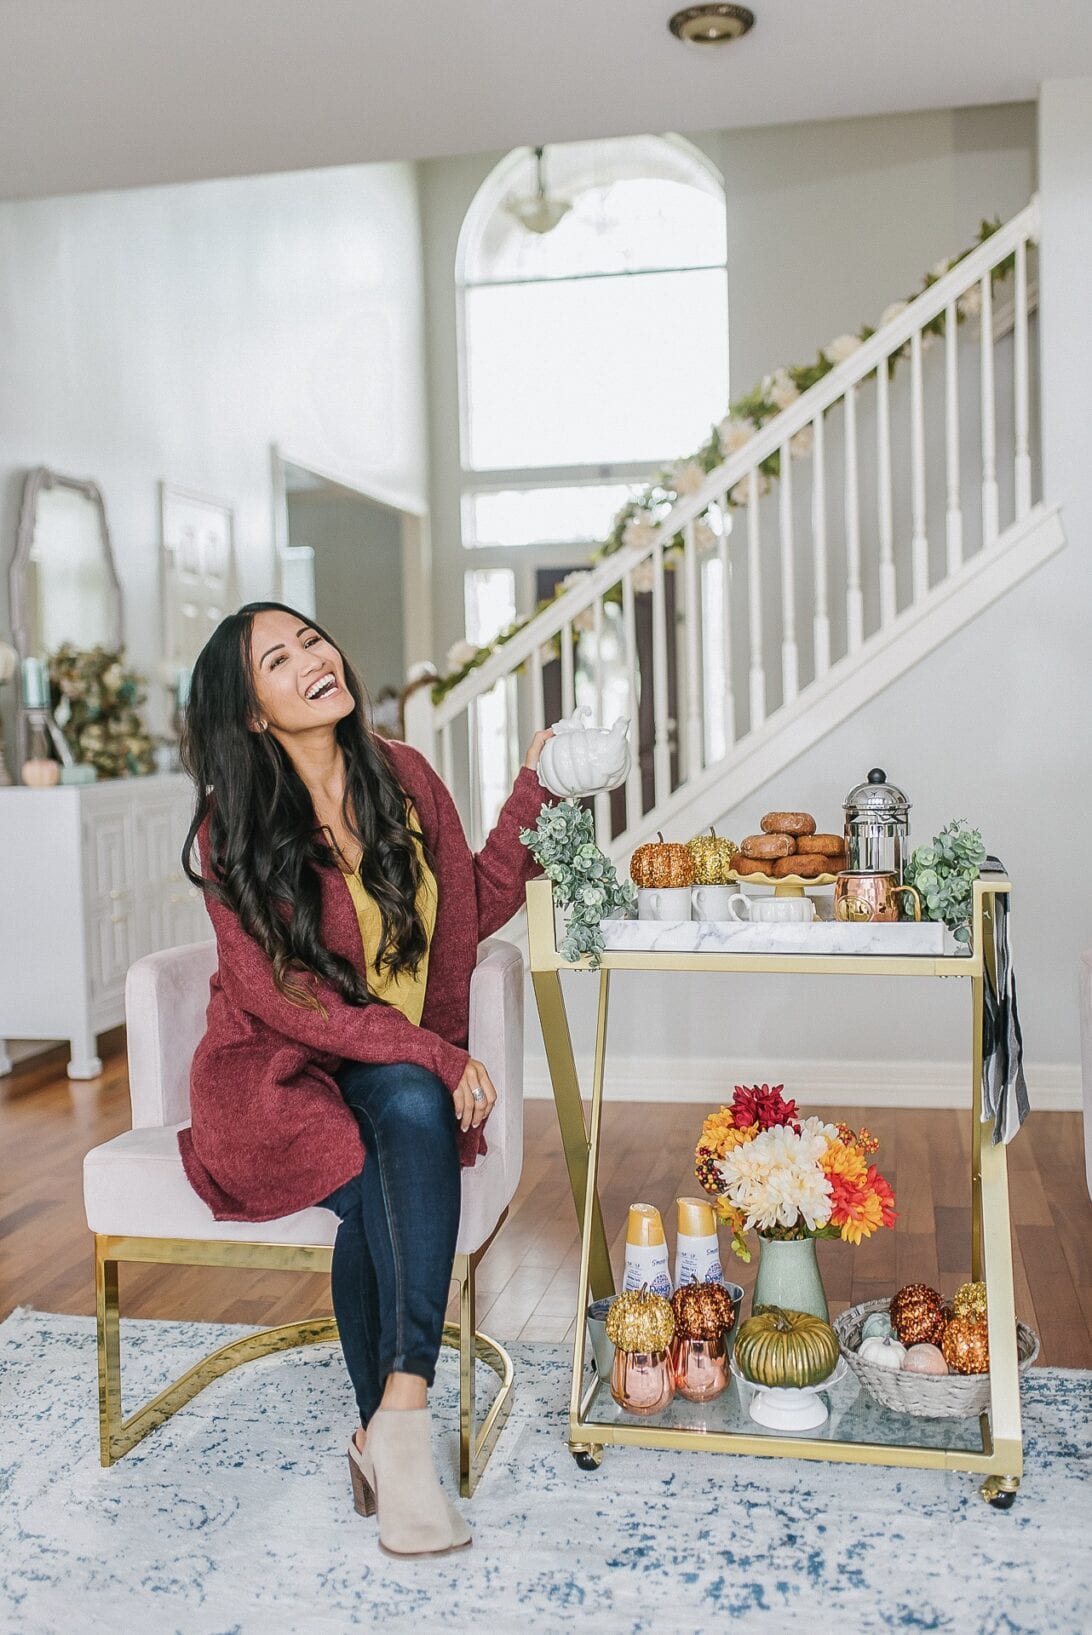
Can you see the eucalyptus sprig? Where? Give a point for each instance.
(585, 883)
(944, 874)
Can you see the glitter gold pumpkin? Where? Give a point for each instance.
(640, 1321)
(969, 1300)
(712, 855)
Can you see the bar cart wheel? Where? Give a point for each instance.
(588, 1455)
(1000, 1491)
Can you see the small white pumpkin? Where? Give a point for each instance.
(584, 760)
(882, 1353)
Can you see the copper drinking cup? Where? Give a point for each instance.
(863, 897)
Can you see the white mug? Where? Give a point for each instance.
(711, 902)
(772, 910)
(670, 903)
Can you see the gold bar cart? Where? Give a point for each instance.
(858, 1430)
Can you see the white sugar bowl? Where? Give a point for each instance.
(772, 910)
(584, 760)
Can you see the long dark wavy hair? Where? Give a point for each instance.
(265, 846)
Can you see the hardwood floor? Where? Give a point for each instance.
(527, 1282)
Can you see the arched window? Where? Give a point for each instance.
(590, 355)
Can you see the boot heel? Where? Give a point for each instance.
(363, 1495)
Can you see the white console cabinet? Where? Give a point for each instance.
(90, 880)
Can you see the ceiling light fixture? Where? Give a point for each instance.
(711, 24)
(537, 212)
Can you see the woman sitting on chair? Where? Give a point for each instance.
(348, 909)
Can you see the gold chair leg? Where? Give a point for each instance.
(118, 1435)
(476, 1446)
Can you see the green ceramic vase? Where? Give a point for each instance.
(788, 1276)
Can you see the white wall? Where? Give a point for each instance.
(177, 332)
(358, 577)
(827, 223)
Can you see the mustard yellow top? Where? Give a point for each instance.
(405, 991)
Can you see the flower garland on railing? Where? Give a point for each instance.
(637, 521)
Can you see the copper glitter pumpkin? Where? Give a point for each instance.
(640, 1321)
(918, 1315)
(661, 865)
(969, 1300)
(702, 1311)
(966, 1346)
(712, 854)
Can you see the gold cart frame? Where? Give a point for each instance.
(1000, 1459)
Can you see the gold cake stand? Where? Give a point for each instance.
(858, 1430)
(790, 885)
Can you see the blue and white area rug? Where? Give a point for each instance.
(236, 1516)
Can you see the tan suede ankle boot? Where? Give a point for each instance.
(397, 1476)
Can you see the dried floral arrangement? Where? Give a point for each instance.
(96, 700)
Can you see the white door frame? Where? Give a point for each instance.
(415, 536)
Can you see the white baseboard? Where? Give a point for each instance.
(1053, 1086)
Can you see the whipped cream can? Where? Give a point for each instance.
(646, 1251)
(697, 1248)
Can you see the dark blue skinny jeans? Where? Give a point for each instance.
(391, 1271)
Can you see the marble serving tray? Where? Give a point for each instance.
(732, 937)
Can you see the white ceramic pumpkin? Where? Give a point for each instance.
(882, 1353)
(584, 760)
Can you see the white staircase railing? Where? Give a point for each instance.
(741, 598)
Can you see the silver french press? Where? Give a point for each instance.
(877, 823)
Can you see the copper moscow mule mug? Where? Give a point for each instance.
(860, 897)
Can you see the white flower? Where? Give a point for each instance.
(686, 477)
(459, 655)
(970, 302)
(776, 1179)
(644, 576)
(733, 432)
(640, 533)
(574, 578)
(940, 267)
(705, 537)
(841, 347)
(584, 621)
(929, 338)
(895, 310)
(780, 389)
(741, 493)
(802, 444)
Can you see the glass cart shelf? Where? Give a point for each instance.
(858, 1429)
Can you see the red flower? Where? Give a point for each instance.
(884, 1193)
(762, 1105)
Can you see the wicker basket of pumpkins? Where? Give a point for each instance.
(916, 1355)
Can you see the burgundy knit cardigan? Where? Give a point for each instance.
(270, 1133)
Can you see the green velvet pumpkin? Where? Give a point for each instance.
(780, 1347)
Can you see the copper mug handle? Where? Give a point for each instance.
(914, 894)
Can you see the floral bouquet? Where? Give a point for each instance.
(786, 1177)
(95, 704)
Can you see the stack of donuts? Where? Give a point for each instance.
(789, 845)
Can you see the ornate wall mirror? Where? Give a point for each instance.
(64, 585)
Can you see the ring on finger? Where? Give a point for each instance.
(478, 1094)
